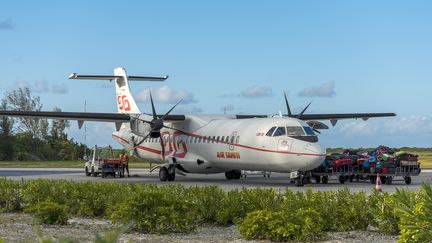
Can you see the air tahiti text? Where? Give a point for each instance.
(228, 155)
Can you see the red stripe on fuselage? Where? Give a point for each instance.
(234, 144)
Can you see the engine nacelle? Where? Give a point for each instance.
(139, 127)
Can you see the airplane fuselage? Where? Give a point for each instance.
(205, 144)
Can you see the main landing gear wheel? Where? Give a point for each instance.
(233, 174)
(87, 173)
(318, 179)
(163, 174)
(166, 174)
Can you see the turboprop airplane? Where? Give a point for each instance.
(207, 144)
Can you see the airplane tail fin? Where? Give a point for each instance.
(125, 101)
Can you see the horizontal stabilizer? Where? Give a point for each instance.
(112, 77)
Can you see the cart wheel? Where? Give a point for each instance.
(372, 179)
(92, 172)
(318, 179)
(103, 175)
(351, 178)
(325, 179)
(357, 177)
(407, 180)
(342, 179)
(389, 180)
(87, 173)
(383, 179)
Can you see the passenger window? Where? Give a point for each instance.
(199, 139)
(280, 131)
(270, 132)
(227, 139)
(237, 139)
(213, 139)
(232, 139)
(195, 140)
(295, 131)
(223, 139)
(217, 139)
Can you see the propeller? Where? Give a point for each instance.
(299, 116)
(156, 124)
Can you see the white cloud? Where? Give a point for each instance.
(256, 91)
(60, 88)
(401, 126)
(325, 90)
(188, 109)
(166, 95)
(40, 86)
(6, 24)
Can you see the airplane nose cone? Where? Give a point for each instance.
(317, 152)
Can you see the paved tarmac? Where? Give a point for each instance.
(276, 180)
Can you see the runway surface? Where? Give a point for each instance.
(276, 180)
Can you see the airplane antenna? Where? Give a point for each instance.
(85, 129)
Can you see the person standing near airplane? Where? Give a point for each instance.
(125, 160)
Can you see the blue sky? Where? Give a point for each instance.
(345, 56)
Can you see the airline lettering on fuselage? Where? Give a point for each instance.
(228, 155)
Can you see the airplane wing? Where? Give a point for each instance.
(332, 117)
(84, 116)
(117, 118)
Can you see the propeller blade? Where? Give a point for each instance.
(303, 111)
(163, 147)
(287, 105)
(153, 108)
(166, 114)
(142, 140)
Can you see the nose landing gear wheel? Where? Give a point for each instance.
(299, 181)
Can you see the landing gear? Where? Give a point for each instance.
(87, 173)
(233, 174)
(301, 178)
(299, 181)
(167, 174)
(318, 179)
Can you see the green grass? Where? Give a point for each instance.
(59, 164)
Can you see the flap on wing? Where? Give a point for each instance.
(344, 116)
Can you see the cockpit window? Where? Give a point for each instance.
(270, 132)
(309, 131)
(280, 131)
(295, 131)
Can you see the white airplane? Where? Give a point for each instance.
(207, 144)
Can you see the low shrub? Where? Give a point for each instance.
(206, 202)
(301, 225)
(415, 211)
(384, 214)
(10, 196)
(237, 203)
(51, 213)
(155, 211)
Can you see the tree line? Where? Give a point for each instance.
(33, 139)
